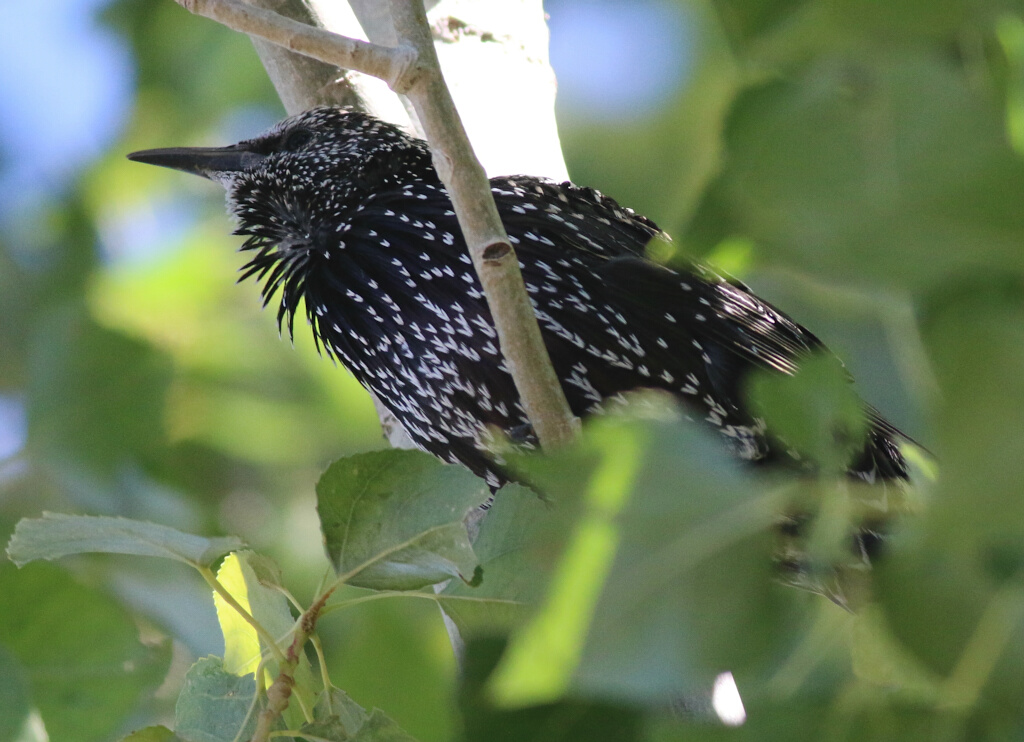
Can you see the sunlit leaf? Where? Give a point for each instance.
(545, 654)
(666, 577)
(250, 579)
(694, 579)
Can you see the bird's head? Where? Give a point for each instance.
(280, 184)
(291, 188)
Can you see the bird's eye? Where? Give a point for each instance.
(296, 139)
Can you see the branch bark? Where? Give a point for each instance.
(493, 257)
(280, 691)
(395, 65)
(412, 68)
(302, 82)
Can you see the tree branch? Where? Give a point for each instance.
(303, 82)
(280, 691)
(412, 68)
(493, 257)
(394, 65)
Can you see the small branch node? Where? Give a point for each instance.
(406, 70)
(494, 253)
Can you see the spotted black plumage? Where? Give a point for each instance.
(345, 216)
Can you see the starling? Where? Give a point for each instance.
(345, 216)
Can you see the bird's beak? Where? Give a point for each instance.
(208, 162)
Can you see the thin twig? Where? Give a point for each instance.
(395, 66)
(280, 692)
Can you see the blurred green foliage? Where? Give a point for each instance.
(857, 162)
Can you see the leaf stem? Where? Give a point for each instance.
(434, 597)
(325, 678)
(303, 735)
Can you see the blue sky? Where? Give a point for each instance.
(65, 91)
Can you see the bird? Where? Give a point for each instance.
(346, 220)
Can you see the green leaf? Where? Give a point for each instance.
(379, 727)
(153, 734)
(944, 610)
(565, 721)
(506, 544)
(14, 695)
(250, 578)
(744, 20)
(337, 704)
(77, 413)
(394, 520)
(873, 168)
(879, 658)
(545, 653)
(56, 535)
(666, 580)
(693, 590)
(815, 411)
(78, 649)
(331, 729)
(215, 705)
(396, 653)
(978, 351)
(351, 723)
(789, 30)
(810, 719)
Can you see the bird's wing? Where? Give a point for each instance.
(728, 315)
(579, 221)
(550, 219)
